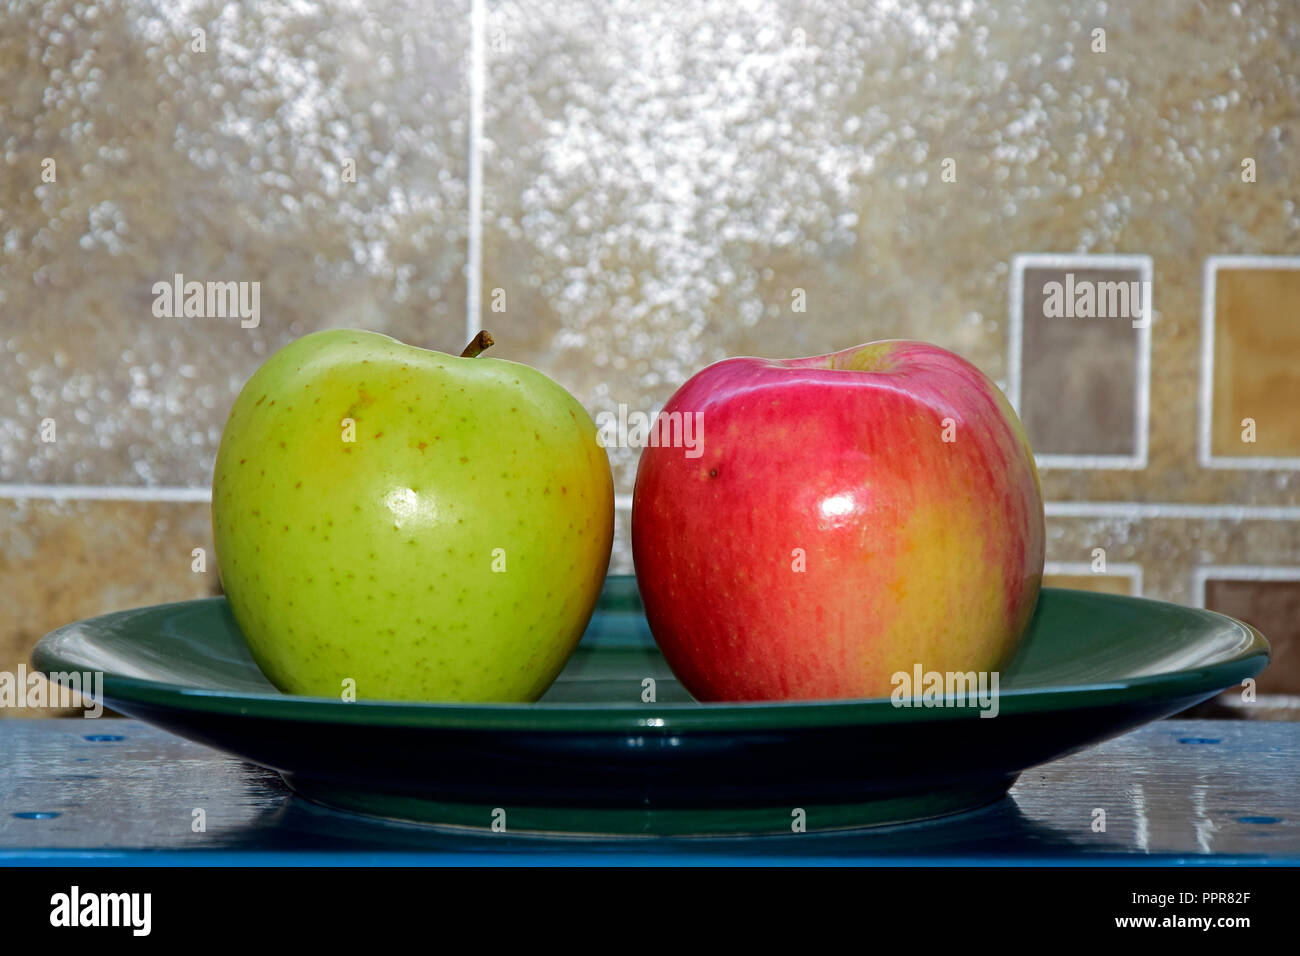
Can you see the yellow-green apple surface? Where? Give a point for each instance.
(847, 517)
(405, 524)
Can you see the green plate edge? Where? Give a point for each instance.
(1249, 659)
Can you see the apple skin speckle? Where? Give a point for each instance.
(401, 496)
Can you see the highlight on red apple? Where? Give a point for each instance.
(851, 517)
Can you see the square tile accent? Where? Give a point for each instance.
(1269, 599)
(1250, 336)
(1079, 357)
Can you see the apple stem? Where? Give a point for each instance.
(479, 344)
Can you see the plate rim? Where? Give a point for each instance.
(1246, 661)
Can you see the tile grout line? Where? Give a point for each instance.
(623, 502)
(1170, 509)
(105, 493)
(474, 254)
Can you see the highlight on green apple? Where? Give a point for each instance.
(395, 523)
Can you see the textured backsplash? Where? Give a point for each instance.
(662, 185)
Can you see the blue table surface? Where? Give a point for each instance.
(117, 791)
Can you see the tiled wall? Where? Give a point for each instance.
(626, 191)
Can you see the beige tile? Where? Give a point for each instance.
(226, 165)
(64, 561)
(659, 180)
(1170, 549)
(1101, 583)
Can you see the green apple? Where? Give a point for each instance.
(404, 524)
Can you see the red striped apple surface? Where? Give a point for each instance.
(844, 518)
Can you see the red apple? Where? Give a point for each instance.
(846, 517)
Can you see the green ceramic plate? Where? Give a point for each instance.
(594, 757)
